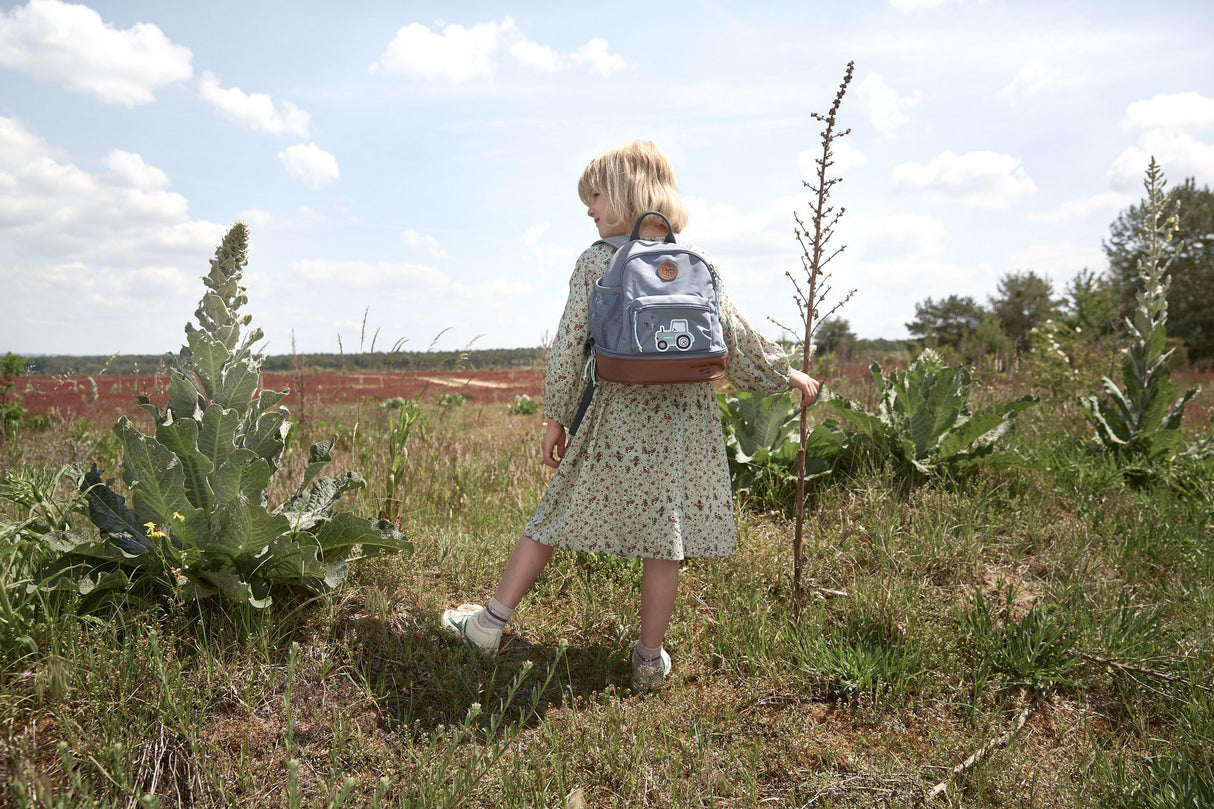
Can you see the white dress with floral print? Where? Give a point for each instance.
(646, 474)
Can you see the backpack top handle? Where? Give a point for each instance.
(636, 229)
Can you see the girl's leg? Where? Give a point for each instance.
(482, 626)
(527, 561)
(659, 586)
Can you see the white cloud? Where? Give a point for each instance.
(113, 309)
(732, 234)
(595, 55)
(458, 54)
(1033, 77)
(310, 164)
(128, 169)
(1166, 124)
(1106, 204)
(1179, 154)
(885, 108)
(536, 55)
(71, 44)
(532, 236)
(51, 208)
(1186, 111)
(979, 179)
(257, 111)
(412, 238)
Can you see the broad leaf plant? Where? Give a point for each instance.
(199, 522)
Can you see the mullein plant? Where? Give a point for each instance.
(923, 423)
(1142, 422)
(199, 522)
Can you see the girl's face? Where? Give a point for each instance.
(598, 212)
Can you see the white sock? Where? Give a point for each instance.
(646, 656)
(495, 615)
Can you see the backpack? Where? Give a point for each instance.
(655, 315)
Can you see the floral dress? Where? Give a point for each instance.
(646, 474)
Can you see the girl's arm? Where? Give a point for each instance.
(797, 380)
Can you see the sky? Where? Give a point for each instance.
(408, 170)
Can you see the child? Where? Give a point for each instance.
(646, 474)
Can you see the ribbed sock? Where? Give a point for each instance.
(645, 656)
(495, 615)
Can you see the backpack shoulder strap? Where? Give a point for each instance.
(615, 241)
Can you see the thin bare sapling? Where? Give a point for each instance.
(812, 289)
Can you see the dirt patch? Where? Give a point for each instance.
(108, 396)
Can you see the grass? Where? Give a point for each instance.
(1056, 594)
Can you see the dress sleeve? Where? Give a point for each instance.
(754, 363)
(566, 378)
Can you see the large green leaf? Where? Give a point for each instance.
(238, 384)
(181, 437)
(207, 356)
(347, 531)
(984, 428)
(230, 584)
(242, 475)
(217, 436)
(185, 400)
(109, 512)
(268, 436)
(308, 509)
(759, 425)
(153, 474)
(241, 533)
(293, 558)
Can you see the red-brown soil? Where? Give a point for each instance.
(107, 395)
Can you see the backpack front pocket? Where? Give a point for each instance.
(673, 324)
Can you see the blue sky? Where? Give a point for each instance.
(413, 165)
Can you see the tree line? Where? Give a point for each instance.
(1091, 307)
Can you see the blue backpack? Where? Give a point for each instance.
(655, 315)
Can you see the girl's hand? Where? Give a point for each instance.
(554, 443)
(805, 383)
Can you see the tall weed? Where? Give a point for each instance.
(1142, 422)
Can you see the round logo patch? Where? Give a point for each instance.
(668, 271)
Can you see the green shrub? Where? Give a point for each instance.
(12, 411)
(524, 405)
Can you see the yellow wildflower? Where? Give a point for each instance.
(152, 532)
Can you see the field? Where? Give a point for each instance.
(1035, 635)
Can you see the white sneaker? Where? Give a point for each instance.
(649, 676)
(462, 623)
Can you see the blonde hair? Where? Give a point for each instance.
(635, 177)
